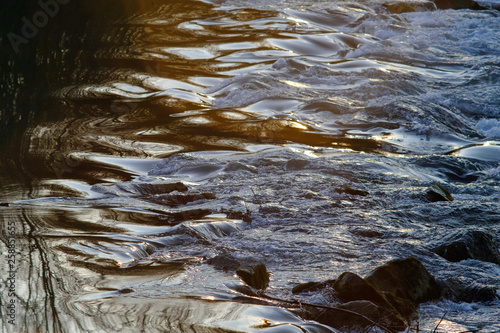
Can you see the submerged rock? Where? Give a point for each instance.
(405, 278)
(368, 233)
(458, 291)
(352, 191)
(296, 165)
(438, 193)
(473, 244)
(252, 272)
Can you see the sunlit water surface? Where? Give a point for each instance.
(139, 131)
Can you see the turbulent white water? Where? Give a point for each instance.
(314, 97)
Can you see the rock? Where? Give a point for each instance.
(407, 279)
(126, 291)
(473, 244)
(224, 261)
(352, 191)
(438, 193)
(351, 287)
(237, 166)
(296, 165)
(473, 293)
(388, 296)
(311, 286)
(398, 7)
(144, 188)
(478, 293)
(247, 290)
(175, 200)
(349, 320)
(404, 306)
(238, 215)
(189, 214)
(365, 233)
(458, 4)
(254, 274)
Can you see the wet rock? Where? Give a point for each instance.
(224, 261)
(479, 294)
(126, 291)
(296, 165)
(398, 7)
(388, 295)
(159, 188)
(458, 4)
(191, 214)
(237, 215)
(354, 317)
(312, 286)
(237, 166)
(405, 278)
(247, 290)
(351, 287)
(365, 233)
(459, 292)
(352, 191)
(404, 306)
(254, 274)
(438, 193)
(473, 244)
(176, 200)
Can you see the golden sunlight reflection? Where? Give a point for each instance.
(295, 124)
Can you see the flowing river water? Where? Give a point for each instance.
(140, 138)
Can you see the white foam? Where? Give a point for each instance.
(489, 127)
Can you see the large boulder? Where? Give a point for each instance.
(404, 306)
(351, 287)
(473, 244)
(407, 279)
(388, 296)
